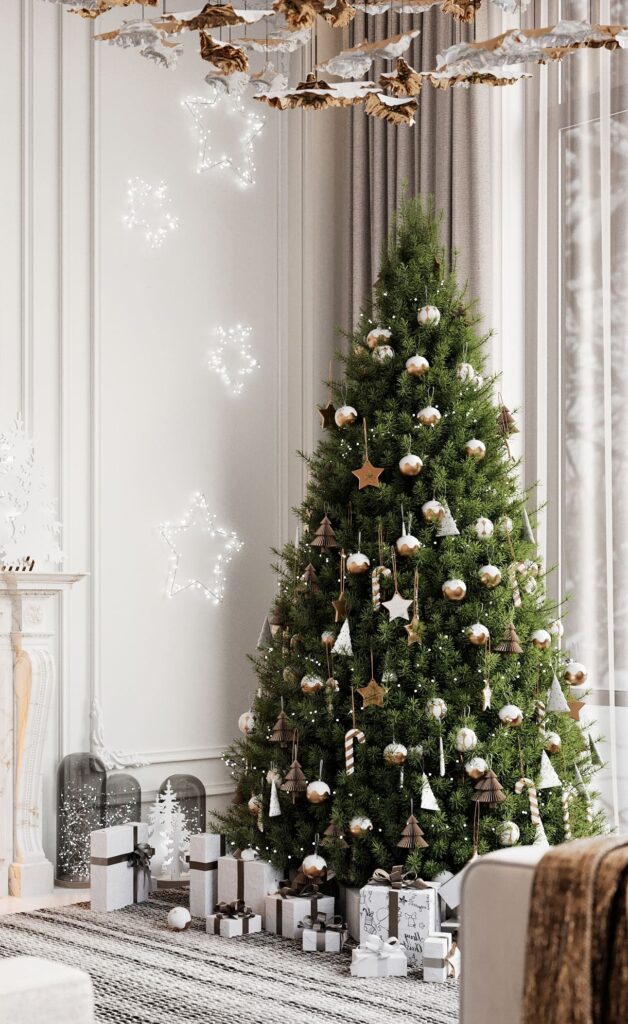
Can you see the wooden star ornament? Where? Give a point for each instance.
(372, 694)
(368, 475)
(327, 413)
(575, 707)
(398, 606)
(416, 631)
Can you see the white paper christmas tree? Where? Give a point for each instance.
(343, 641)
(549, 779)
(29, 529)
(178, 844)
(168, 833)
(428, 800)
(556, 700)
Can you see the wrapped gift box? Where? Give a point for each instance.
(248, 880)
(377, 958)
(231, 926)
(349, 905)
(119, 866)
(283, 914)
(409, 914)
(441, 958)
(323, 936)
(205, 851)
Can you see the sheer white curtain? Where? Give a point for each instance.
(576, 384)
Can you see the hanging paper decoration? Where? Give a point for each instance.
(488, 790)
(343, 641)
(282, 730)
(149, 41)
(265, 638)
(356, 62)
(556, 700)
(396, 110)
(403, 81)
(324, 536)
(447, 525)
(412, 835)
(428, 800)
(295, 781)
(510, 643)
(527, 528)
(334, 834)
(548, 778)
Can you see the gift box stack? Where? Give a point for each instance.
(399, 905)
(294, 902)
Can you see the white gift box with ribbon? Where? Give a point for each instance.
(379, 958)
(205, 850)
(246, 877)
(323, 934)
(441, 958)
(400, 905)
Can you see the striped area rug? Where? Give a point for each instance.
(145, 974)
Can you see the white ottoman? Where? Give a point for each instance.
(494, 922)
(35, 991)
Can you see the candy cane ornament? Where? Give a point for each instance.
(535, 817)
(379, 572)
(351, 736)
(566, 797)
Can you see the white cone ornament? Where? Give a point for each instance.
(360, 826)
(483, 527)
(464, 371)
(466, 740)
(357, 563)
(428, 316)
(429, 416)
(410, 465)
(505, 526)
(549, 779)
(556, 700)
(478, 634)
(274, 807)
(179, 918)
(395, 753)
(314, 866)
(343, 641)
(475, 449)
(552, 743)
(432, 511)
(246, 723)
(383, 354)
(436, 708)
(447, 525)
(378, 336)
(575, 673)
(428, 800)
(454, 590)
(318, 792)
(312, 684)
(508, 833)
(490, 576)
(511, 716)
(417, 366)
(345, 416)
(541, 639)
(476, 767)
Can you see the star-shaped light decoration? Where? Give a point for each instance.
(147, 209)
(241, 126)
(397, 606)
(210, 577)
(372, 694)
(232, 357)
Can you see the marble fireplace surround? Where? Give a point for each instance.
(29, 640)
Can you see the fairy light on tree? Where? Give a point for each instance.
(210, 577)
(232, 357)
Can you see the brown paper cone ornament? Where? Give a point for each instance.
(510, 643)
(325, 536)
(488, 789)
(506, 422)
(295, 781)
(412, 835)
(309, 579)
(282, 730)
(334, 834)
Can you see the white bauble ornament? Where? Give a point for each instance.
(314, 866)
(360, 826)
(511, 715)
(428, 316)
(383, 354)
(552, 742)
(312, 684)
(417, 366)
(505, 526)
(395, 753)
(179, 918)
(476, 767)
(436, 707)
(475, 449)
(478, 634)
(246, 723)
(254, 805)
(466, 740)
(454, 590)
(378, 336)
(541, 639)
(483, 527)
(464, 371)
(317, 792)
(432, 511)
(328, 638)
(345, 416)
(575, 673)
(429, 416)
(407, 544)
(556, 628)
(410, 465)
(357, 563)
(508, 833)
(249, 854)
(490, 576)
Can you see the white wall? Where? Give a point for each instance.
(103, 347)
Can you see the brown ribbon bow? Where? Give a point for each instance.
(140, 857)
(233, 910)
(397, 878)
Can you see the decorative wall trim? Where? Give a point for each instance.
(183, 754)
(211, 789)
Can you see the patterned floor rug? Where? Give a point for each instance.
(145, 974)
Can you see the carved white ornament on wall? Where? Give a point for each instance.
(200, 552)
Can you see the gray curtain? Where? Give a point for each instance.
(446, 154)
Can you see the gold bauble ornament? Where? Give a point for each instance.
(345, 416)
(575, 673)
(395, 753)
(490, 576)
(478, 634)
(475, 767)
(432, 511)
(475, 449)
(407, 544)
(378, 336)
(254, 805)
(312, 684)
(429, 416)
(383, 354)
(410, 465)
(318, 792)
(552, 742)
(541, 639)
(454, 590)
(314, 866)
(428, 316)
(511, 715)
(417, 366)
(360, 826)
(357, 563)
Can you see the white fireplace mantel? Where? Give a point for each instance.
(28, 671)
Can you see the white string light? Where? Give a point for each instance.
(148, 210)
(241, 136)
(198, 517)
(232, 357)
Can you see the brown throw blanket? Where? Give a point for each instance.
(577, 953)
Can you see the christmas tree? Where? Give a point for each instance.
(412, 645)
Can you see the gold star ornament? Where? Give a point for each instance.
(368, 475)
(575, 707)
(372, 694)
(415, 631)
